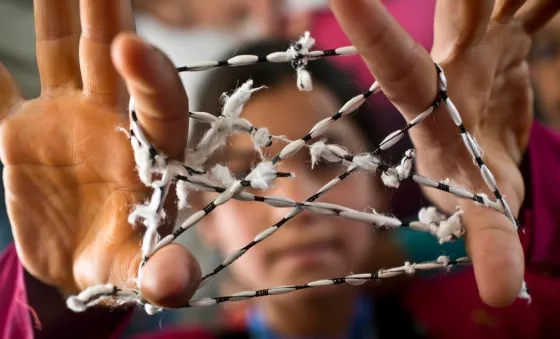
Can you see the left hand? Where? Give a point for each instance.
(482, 46)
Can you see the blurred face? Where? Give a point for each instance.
(545, 65)
(310, 246)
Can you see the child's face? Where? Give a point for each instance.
(310, 246)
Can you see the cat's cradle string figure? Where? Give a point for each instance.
(160, 173)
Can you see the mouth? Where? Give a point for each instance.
(310, 253)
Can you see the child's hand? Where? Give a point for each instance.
(483, 49)
(69, 175)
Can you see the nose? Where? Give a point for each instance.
(299, 189)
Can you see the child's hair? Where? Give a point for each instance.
(324, 73)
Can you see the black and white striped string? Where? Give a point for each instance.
(151, 161)
(474, 148)
(262, 176)
(96, 294)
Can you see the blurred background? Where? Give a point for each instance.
(194, 30)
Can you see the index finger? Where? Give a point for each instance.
(402, 67)
(161, 102)
(497, 255)
(57, 29)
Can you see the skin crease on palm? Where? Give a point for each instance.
(70, 181)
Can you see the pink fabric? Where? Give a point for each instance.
(545, 183)
(15, 320)
(449, 307)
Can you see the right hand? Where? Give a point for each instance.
(69, 175)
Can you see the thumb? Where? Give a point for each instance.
(495, 250)
(161, 103)
(10, 94)
(171, 277)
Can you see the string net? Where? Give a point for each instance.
(159, 172)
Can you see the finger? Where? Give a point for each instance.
(506, 9)
(57, 31)
(160, 100)
(171, 277)
(495, 250)
(460, 24)
(536, 13)
(102, 20)
(403, 68)
(10, 94)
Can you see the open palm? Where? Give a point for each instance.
(70, 175)
(482, 46)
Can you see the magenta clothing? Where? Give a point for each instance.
(15, 320)
(457, 305)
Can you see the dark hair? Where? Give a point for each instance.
(322, 72)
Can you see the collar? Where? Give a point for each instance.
(362, 326)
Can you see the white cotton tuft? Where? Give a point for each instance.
(316, 151)
(450, 229)
(390, 179)
(262, 176)
(301, 47)
(409, 268)
(304, 81)
(394, 176)
(261, 138)
(123, 130)
(182, 191)
(75, 304)
(524, 293)
(234, 103)
(145, 212)
(214, 138)
(151, 309)
(143, 161)
(223, 175)
(405, 167)
(430, 215)
(298, 53)
(334, 153)
(366, 162)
